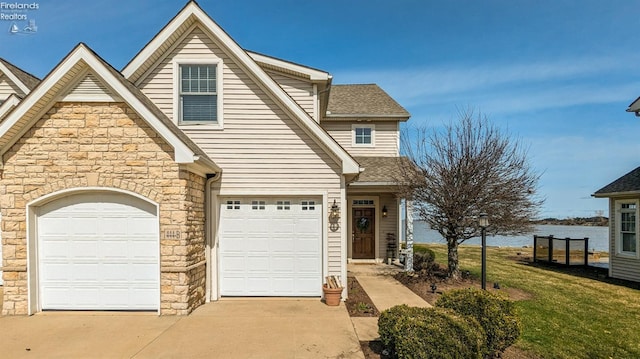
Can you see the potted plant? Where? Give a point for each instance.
(332, 290)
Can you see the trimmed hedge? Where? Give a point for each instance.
(411, 332)
(496, 315)
(423, 259)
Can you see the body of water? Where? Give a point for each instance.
(598, 236)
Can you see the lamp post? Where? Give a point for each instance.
(483, 221)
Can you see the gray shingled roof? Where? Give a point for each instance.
(379, 169)
(366, 100)
(627, 183)
(634, 106)
(26, 78)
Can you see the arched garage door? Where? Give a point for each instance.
(98, 251)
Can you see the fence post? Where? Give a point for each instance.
(567, 246)
(535, 248)
(550, 248)
(586, 251)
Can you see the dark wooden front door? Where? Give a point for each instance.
(363, 233)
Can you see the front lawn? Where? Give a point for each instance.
(568, 315)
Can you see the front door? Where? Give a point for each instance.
(363, 233)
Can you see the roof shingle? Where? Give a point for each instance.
(630, 182)
(26, 78)
(380, 169)
(365, 100)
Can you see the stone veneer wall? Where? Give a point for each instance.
(105, 145)
(185, 285)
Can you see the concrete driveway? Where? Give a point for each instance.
(247, 328)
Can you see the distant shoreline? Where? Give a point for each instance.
(597, 221)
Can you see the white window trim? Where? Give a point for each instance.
(618, 233)
(219, 125)
(353, 135)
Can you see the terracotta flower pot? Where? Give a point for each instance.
(332, 295)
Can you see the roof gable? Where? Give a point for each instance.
(192, 15)
(629, 183)
(7, 105)
(73, 70)
(24, 80)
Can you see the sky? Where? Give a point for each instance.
(556, 76)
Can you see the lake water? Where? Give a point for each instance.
(598, 236)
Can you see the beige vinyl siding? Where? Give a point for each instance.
(260, 150)
(7, 87)
(385, 138)
(90, 88)
(299, 90)
(620, 267)
(388, 224)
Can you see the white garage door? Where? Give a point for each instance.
(271, 247)
(98, 251)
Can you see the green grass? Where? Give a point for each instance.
(569, 316)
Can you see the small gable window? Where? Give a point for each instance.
(198, 94)
(363, 135)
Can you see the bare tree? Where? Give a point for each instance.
(468, 168)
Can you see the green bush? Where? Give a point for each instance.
(423, 249)
(410, 332)
(496, 315)
(423, 259)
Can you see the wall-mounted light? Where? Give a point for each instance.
(385, 213)
(334, 214)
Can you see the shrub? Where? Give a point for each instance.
(496, 315)
(411, 332)
(423, 259)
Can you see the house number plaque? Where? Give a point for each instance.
(172, 234)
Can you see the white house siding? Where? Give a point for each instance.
(7, 87)
(299, 90)
(620, 267)
(388, 224)
(260, 149)
(385, 138)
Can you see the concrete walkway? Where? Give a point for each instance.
(385, 292)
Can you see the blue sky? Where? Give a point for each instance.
(557, 75)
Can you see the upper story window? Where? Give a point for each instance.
(627, 228)
(363, 135)
(198, 94)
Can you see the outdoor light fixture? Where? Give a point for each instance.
(483, 222)
(335, 211)
(384, 211)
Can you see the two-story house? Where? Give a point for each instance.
(199, 171)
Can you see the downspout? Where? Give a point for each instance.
(208, 230)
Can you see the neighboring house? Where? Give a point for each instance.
(624, 203)
(14, 85)
(199, 171)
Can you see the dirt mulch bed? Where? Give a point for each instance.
(422, 285)
(373, 350)
(359, 304)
